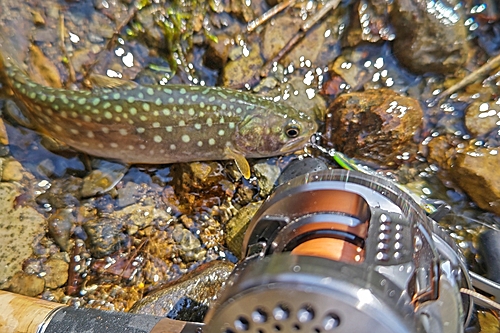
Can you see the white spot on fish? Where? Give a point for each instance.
(221, 132)
(157, 138)
(113, 145)
(185, 138)
(140, 130)
(173, 147)
(168, 128)
(211, 141)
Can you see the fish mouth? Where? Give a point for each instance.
(295, 144)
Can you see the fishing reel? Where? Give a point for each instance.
(342, 251)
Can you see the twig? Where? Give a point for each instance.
(62, 32)
(332, 4)
(252, 25)
(111, 42)
(469, 79)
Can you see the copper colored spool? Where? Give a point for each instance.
(330, 248)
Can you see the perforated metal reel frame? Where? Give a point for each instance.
(273, 291)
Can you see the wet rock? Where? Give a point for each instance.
(300, 98)
(129, 194)
(475, 171)
(19, 226)
(205, 178)
(482, 117)
(189, 246)
(63, 193)
(56, 273)
(430, 35)
(104, 236)
(236, 227)
(267, 175)
(12, 171)
(285, 27)
(243, 67)
(102, 179)
(376, 125)
(217, 52)
(138, 217)
(25, 284)
(440, 151)
(60, 226)
(299, 95)
(189, 297)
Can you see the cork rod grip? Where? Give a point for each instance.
(22, 314)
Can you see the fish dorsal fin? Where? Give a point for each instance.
(103, 81)
(240, 161)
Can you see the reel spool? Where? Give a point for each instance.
(342, 251)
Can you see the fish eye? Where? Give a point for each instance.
(292, 131)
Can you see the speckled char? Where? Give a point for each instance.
(162, 124)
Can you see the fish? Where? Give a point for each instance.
(161, 124)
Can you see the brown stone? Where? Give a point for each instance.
(476, 172)
(376, 126)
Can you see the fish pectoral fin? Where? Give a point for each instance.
(240, 161)
(103, 81)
